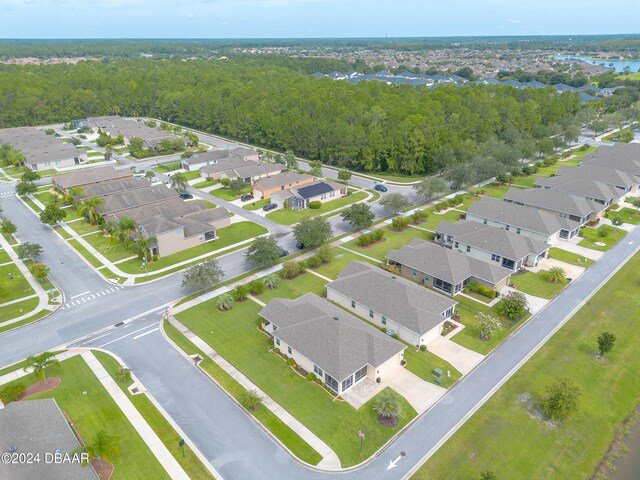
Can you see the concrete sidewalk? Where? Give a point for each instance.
(168, 462)
(329, 458)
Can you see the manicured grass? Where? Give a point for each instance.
(94, 411)
(168, 167)
(630, 215)
(296, 287)
(230, 235)
(496, 190)
(83, 227)
(4, 257)
(526, 181)
(15, 288)
(32, 204)
(84, 252)
(434, 219)
(340, 259)
(170, 438)
(45, 197)
(591, 237)
(235, 336)
(536, 284)
(503, 437)
(287, 216)
(288, 437)
(112, 250)
(569, 257)
(192, 175)
(205, 184)
(256, 205)
(15, 310)
(228, 194)
(10, 238)
(423, 363)
(32, 318)
(393, 240)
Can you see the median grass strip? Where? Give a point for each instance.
(573, 448)
(280, 430)
(536, 284)
(286, 216)
(235, 336)
(84, 252)
(158, 423)
(91, 409)
(592, 237)
(569, 257)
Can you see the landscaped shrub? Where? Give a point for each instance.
(603, 233)
(419, 216)
(486, 292)
(319, 381)
(616, 219)
(276, 351)
(371, 237)
(593, 223)
(613, 206)
(313, 262)
(10, 393)
(251, 400)
(291, 269)
(423, 348)
(400, 223)
(225, 302)
(441, 206)
(240, 293)
(324, 253)
(291, 362)
(256, 287)
(384, 330)
(395, 336)
(316, 204)
(311, 377)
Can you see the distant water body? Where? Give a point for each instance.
(628, 467)
(617, 65)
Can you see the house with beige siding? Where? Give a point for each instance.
(322, 338)
(403, 307)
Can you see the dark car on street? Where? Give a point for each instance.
(246, 197)
(269, 206)
(379, 187)
(186, 196)
(284, 253)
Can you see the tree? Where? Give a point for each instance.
(8, 227)
(636, 203)
(488, 475)
(513, 305)
(187, 154)
(124, 229)
(606, 342)
(179, 182)
(251, 400)
(389, 406)
(30, 176)
(90, 209)
(394, 202)
(224, 302)
(102, 446)
(271, 281)
(486, 325)
(136, 144)
(312, 231)
(143, 247)
(562, 399)
(264, 251)
(38, 364)
(52, 214)
(40, 271)
(149, 175)
(11, 393)
(556, 275)
(124, 375)
(237, 185)
(316, 168)
(292, 162)
(24, 188)
(430, 187)
(71, 195)
(358, 215)
(324, 253)
(29, 251)
(108, 152)
(344, 174)
(202, 276)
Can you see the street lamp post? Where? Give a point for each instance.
(361, 435)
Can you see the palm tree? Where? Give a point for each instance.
(89, 209)
(271, 281)
(143, 245)
(225, 302)
(150, 175)
(556, 275)
(39, 364)
(179, 182)
(102, 446)
(636, 202)
(124, 229)
(71, 197)
(388, 406)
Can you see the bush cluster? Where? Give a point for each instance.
(452, 202)
(316, 204)
(480, 289)
(400, 223)
(371, 237)
(291, 269)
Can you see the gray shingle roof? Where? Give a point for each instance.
(600, 174)
(582, 187)
(492, 239)
(622, 156)
(171, 208)
(113, 186)
(400, 300)
(553, 200)
(252, 169)
(38, 147)
(446, 264)
(281, 179)
(528, 218)
(135, 198)
(89, 176)
(333, 339)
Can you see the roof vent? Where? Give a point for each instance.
(335, 318)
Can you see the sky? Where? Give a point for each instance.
(313, 18)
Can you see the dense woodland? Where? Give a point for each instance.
(370, 126)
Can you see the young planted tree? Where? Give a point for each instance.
(123, 374)
(150, 175)
(224, 302)
(324, 253)
(358, 215)
(8, 227)
(562, 399)
(486, 325)
(124, 229)
(271, 281)
(251, 400)
(394, 202)
(290, 158)
(102, 447)
(556, 275)
(39, 364)
(202, 276)
(264, 251)
(312, 231)
(344, 174)
(24, 188)
(606, 341)
(389, 408)
(29, 251)
(143, 247)
(40, 271)
(52, 214)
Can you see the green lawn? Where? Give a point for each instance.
(32, 318)
(340, 259)
(569, 257)
(112, 250)
(45, 197)
(256, 205)
(288, 437)
(170, 438)
(296, 287)
(234, 233)
(536, 284)
(526, 181)
(235, 336)
(17, 309)
(83, 251)
(393, 240)
(228, 194)
(4, 257)
(205, 184)
(168, 167)
(192, 175)
(591, 237)
(423, 363)
(83, 227)
(496, 190)
(15, 288)
(434, 219)
(91, 409)
(287, 216)
(503, 437)
(630, 215)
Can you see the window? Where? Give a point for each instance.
(414, 273)
(518, 230)
(384, 320)
(457, 244)
(331, 382)
(318, 371)
(360, 374)
(448, 313)
(507, 228)
(495, 258)
(442, 285)
(347, 382)
(278, 341)
(371, 313)
(353, 304)
(468, 249)
(449, 238)
(563, 215)
(289, 350)
(484, 221)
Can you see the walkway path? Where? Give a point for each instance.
(329, 458)
(159, 450)
(463, 359)
(584, 251)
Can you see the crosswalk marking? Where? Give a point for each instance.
(88, 296)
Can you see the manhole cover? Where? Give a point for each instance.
(134, 390)
(402, 454)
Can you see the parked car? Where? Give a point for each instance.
(284, 253)
(269, 206)
(379, 187)
(246, 197)
(300, 245)
(186, 196)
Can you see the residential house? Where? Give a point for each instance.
(624, 182)
(265, 187)
(565, 205)
(506, 248)
(528, 221)
(403, 307)
(135, 198)
(225, 158)
(38, 428)
(339, 348)
(298, 198)
(445, 269)
(83, 178)
(112, 186)
(624, 157)
(582, 187)
(129, 128)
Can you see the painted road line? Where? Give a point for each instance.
(80, 294)
(127, 335)
(146, 333)
(93, 296)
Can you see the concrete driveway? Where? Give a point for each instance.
(460, 357)
(571, 246)
(419, 393)
(572, 271)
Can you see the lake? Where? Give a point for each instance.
(617, 65)
(628, 467)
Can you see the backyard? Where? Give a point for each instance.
(287, 216)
